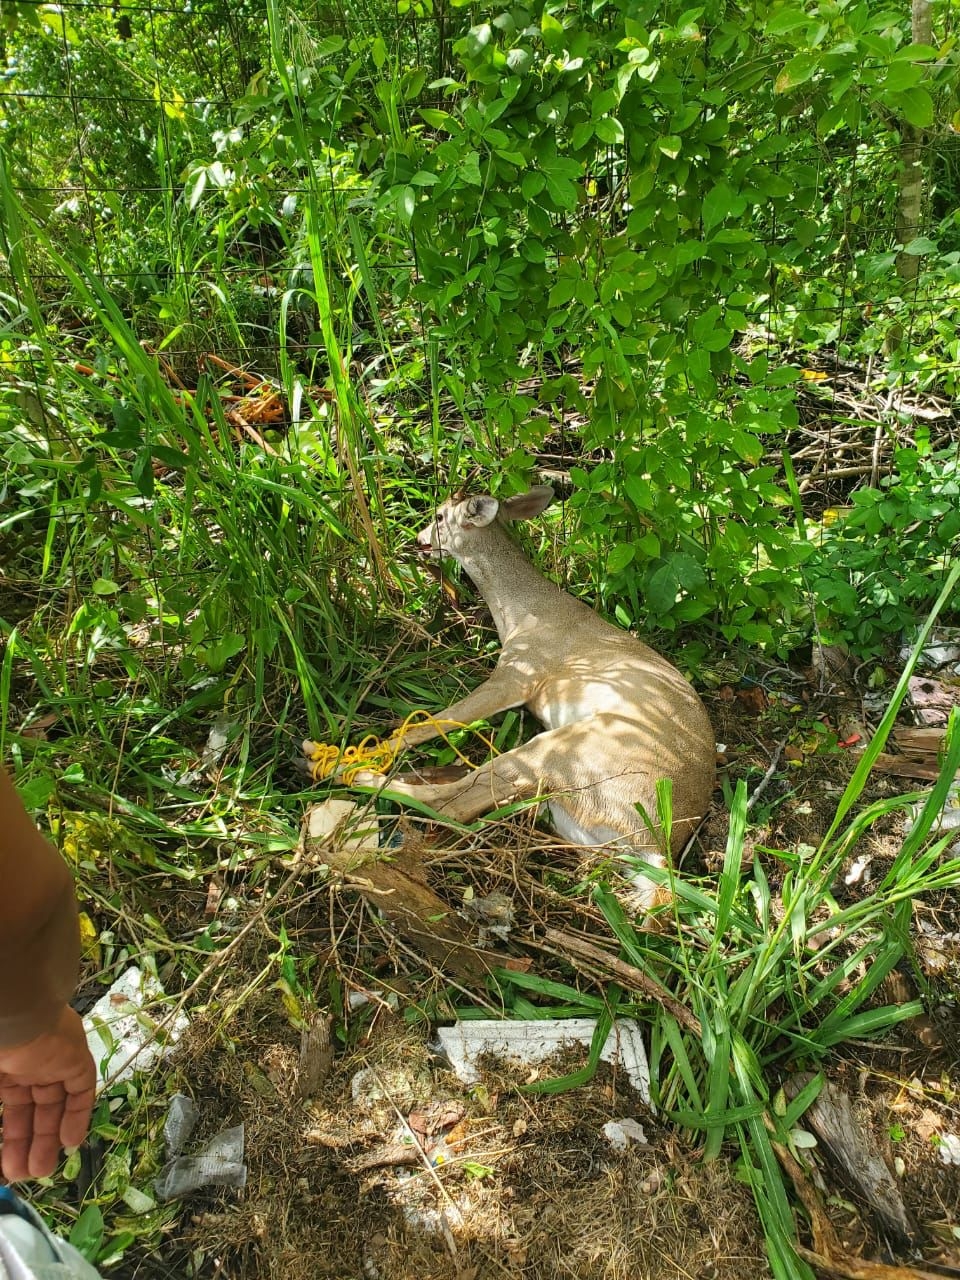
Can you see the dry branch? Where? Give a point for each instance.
(571, 944)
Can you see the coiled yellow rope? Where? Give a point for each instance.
(378, 754)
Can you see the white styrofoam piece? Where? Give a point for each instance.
(620, 1133)
(336, 819)
(121, 1036)
(535, 1041)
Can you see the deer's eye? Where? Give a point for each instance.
(439, 517)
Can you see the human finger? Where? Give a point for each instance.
(49, 1095)
(14, 1154)
(76, 1117)
(44, 1153)
(17, 1131)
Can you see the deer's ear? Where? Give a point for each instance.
(526, 506)
(479, 511)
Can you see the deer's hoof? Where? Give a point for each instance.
(367, 778)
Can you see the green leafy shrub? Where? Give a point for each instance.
(878, 563)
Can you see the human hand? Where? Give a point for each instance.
(47, 1089)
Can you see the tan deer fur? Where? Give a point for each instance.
(617, 715)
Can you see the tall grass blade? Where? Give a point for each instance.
(866, 762)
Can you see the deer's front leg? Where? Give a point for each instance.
(504, 689)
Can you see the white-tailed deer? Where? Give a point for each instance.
(618, 716)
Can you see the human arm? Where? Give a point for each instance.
(47, 1076)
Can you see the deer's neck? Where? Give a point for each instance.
(518, 595)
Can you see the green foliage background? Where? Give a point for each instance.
(636, 217)
(459, 240)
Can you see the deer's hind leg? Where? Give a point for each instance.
(574, 765)
(502, 781)
(591, 795)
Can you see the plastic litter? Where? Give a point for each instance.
(942, 649)
(532, 1042)
(30, 1251)
(345, 822)
(949, 819)
(180, 1123)
(218, 1163)
(123, 1038)
(620, 1133)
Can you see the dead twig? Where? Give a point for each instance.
(771, 770)
(570, 944)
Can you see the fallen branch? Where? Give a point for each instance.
(571, 944)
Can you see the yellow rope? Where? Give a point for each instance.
(378, 754)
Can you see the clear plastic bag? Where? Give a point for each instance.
(30, 1251)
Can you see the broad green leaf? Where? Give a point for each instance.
(196, 188)
(915, 53)
(718, 339)
(328, 46)
(52, 16)
(698, 368)
(86, 1235)
(469, 169)
(413, 84)
(690, 573)
(582, 133)
(35, 792)
(406, 203)
(609, 130)
(561, 191)
(670, 145)
(217, 655)
(518, 60)
(831, 119)
(921, 245)
(797, 71)
(917, 107)
(438, 119)
(716, 205)
(639, 492)
(902, 75)
(562, 291)
(663, 586)
(620, 556)
(784, 20)
(624, 76)
(705, 324)
(551, 30)
(477, 39)
(532, 183)
(558, 166)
